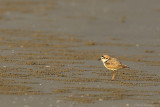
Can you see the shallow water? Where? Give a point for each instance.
(49, 51)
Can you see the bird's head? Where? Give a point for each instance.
(105, 58)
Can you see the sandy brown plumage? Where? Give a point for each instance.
(114, 64)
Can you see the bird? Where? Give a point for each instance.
(112, 64)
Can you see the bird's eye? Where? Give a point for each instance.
(103, 57)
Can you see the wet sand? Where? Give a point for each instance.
(49, 51)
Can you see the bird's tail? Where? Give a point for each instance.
(124, 66)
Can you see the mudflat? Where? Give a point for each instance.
(49, 53)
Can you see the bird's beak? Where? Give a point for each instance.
(99, 59)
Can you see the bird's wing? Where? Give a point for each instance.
(113, 63)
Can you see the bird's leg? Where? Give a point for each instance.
(114, 74)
